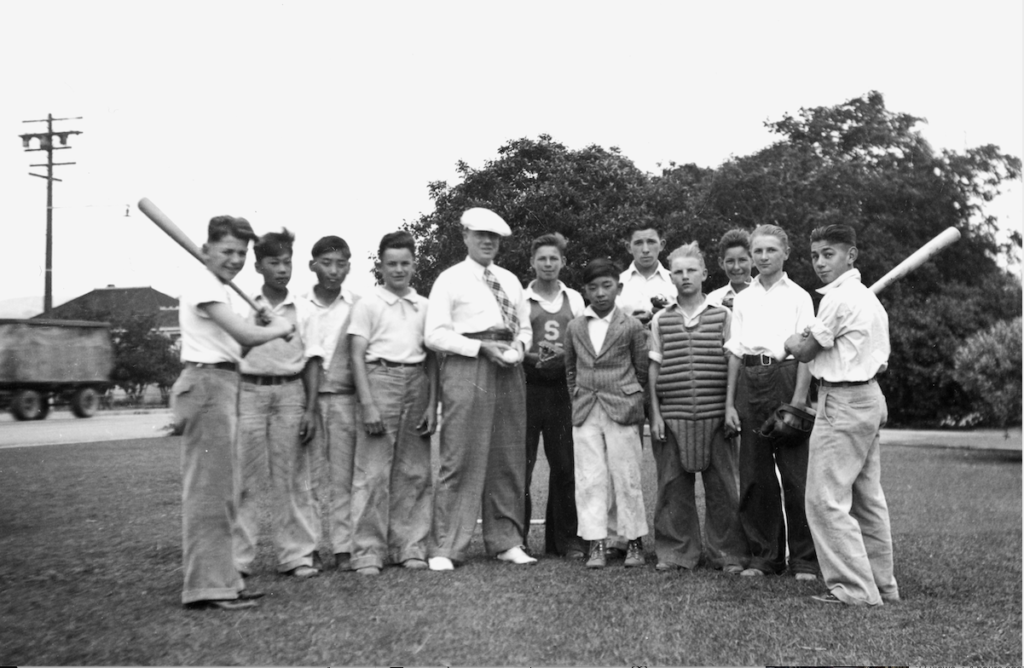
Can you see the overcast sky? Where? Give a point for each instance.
(332, 118)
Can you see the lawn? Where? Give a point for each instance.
(91, 574)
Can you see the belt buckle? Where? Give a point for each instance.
(766, 360)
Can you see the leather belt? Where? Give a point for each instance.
(759, 360)
(269, 380)
(220, 366)
(394, 365)
(845, 383)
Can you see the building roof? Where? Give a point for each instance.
(114, 301)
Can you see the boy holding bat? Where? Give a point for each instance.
(205, 400)
(845, 346)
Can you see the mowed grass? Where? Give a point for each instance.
(90, 574)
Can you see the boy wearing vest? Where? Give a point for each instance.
(331, 307)
(688, 377)
(846, 345)
(396, 379)
(276, 422)
(548, 407)
(606, 371)
(205, 401)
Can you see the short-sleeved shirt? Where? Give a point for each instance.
(638, 289)
(852, 327)
(462, 303)
(203, 340)
(280, 357)
(762, 319)
(392, 325)
(325, 322)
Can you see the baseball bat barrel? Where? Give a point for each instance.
(926, 252)
(174, 232)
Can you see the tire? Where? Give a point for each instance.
(84, 402)
(27, 405)
(45, 400)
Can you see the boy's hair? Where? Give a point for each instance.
(644, 224)
(330, 244)
(835, 234)
(691, 249)
(274, 244)
(222, 226)
(600, 268)
(396, 240)
(732, 239)
(553, 239)
(768, 230)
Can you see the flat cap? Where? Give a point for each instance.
(484, 220)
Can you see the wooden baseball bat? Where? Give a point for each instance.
(926, 252)
(174, 232)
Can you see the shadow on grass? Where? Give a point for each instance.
(91, 574)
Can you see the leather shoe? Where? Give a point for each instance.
(368, 570)
(227, 604)
(414, 564)
(827, 598)
(303, 572)
(574, 555)
(515, 555)
(440, 564)
(598, 556)
(250, 594)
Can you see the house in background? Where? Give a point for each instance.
(126, 301)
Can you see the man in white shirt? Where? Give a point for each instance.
(846, 346)
(479, 318)
(762, 376)
(646, 277)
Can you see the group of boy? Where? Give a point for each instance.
(342, 394)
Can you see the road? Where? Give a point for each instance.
(62, 427)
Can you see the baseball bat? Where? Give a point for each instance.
(174, 232)
(926, 252)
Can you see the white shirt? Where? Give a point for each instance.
(325, 322)
(280, 357)
(638, 289)
(392, 325)
(202, 339)
(689, 320)
(723, 294)
(763, 319)
(597, 327)
(462, 303)
(853, 328)
(576, 304)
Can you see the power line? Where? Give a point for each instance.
(46, 143)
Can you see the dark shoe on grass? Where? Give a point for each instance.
(228, 604)
(635, 554)
(250, 594)
(597, 557)
(575, 555)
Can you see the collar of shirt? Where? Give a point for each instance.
(530, 294)
(850, 275)
(784, 281)
(345, 295)
(660, 270)
(589, 312)
(289, 300)
(390, 298)
(475, 267)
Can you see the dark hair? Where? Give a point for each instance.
(642, 224)
(835, 234)
(600, 268)
(396, 240)
(732, 239)
(553, 239)
(222, 226)
(274, 244)
(330, 244)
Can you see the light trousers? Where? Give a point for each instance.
(335, 463)
(205, 401)
(609, 498)
(269, 417)
(846, 507)
(391, 492)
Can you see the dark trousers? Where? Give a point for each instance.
(549, 413)
(759, 391)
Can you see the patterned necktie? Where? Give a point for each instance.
(508, 311)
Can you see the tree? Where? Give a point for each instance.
(988, 367)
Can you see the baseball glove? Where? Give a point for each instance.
(788, 425)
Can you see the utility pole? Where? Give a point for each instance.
(46, 143)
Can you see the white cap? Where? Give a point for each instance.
(484, 220)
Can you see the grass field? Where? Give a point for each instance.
(90, 574)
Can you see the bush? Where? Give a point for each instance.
(988, 367)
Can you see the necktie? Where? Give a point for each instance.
(508, 311)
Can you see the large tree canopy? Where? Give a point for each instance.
(856, 162)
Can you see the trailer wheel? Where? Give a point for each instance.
(45, 400)
(27, 405)
(84, 402)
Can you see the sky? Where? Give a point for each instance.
(333, 117)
